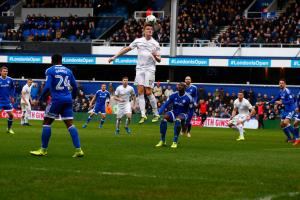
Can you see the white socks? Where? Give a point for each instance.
(240, 128)
(142, 105)
(118, 124)
(153, 103)
(127, 122)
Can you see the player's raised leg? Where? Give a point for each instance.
(153, 103)
(142, 104)
(149, 84)
(287, 129)
(90, 117)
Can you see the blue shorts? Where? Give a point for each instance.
(296, 116)
(99, 109)
(64, 109)
(6, 107)
(174, 116)
(287, 115)
(190, 115)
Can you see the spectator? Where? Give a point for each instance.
(111, 89)
(260, 114)
(108, 108)
(168, 91)
(34, 92)
(158, 91)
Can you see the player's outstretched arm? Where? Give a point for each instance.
(165, 105)
(234, 111)
(23, 93)
(92, 101)
(275, 100)
(120, 53)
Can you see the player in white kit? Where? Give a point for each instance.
(123, 94)
(242, 106)
(148, 54)
(25, 102)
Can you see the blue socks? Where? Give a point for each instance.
(286, 131)
(9, 122)
(102, 122)
(177, 128)
(75, 137)
(189, 127)
(88, 119)
(46, 133)
(163, 129)
(296, 133)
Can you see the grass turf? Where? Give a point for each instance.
(210, 165)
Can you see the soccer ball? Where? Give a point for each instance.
(151, 19)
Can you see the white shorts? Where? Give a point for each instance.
(123, 109)
(240, 117)
(26, 108)
(145, 78)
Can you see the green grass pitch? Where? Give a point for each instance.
(210, 165)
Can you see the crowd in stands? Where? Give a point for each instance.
(58, 4)
(282, 29)
(43, 28)
(196, 20)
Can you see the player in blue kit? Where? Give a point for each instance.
(182, 103)
(297, 120)
(191, 90)
(62, 86)
(100, 97)
(7, 91)
(286, 98)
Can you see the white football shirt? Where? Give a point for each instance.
(145, 48)
(243, 106)
(26, 90)
(124, 93)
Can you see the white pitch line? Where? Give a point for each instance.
(283, 148)
(288, 194)
(105, 173)
(97, 172)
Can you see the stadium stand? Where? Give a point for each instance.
(282, 29)
(196, 20)
(42, 28)
(58, 4)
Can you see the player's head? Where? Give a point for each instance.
(181, 87)
(125, 81)
(282, 83)
(103, 87)
(4, 71)
(188, 80)
(148, 30)
(241, 95)
(56, 59)
(29, 82)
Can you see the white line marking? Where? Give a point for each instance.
(105, 173)
(288, 194)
